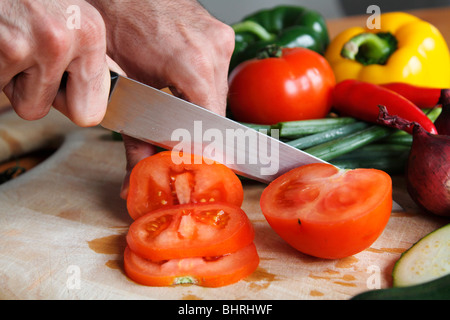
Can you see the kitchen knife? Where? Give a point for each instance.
(162, 119)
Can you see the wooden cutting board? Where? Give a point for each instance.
(63, 225)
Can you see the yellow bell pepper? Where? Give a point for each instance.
(404, 49)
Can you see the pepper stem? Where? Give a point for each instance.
(270, 51)
(394, 121)
(370, 48)
(253, 27)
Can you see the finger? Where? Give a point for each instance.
(25, 84)
(205, 81)
(85, 97)
(135, 151)
(61, 102)
(201, 90)
(32, 92)
(86, 93)
(113, 66)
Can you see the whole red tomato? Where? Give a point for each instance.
(296, 85)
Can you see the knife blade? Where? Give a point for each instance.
(159, 118)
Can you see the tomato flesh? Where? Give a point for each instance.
(190, 230)
(326, 212)
(158, 181)
(213, 271)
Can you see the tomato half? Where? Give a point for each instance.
(214, 271)
(159, 181)
(326, 212)
(190, 230)
(296, 86)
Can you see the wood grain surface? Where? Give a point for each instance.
(63, 227)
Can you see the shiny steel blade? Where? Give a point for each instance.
(159, 118)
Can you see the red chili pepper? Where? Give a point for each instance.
(421, 96)
(360, 100)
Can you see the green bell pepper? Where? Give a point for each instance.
(285, 26)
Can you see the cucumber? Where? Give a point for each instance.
(421, 273)
(426, 260)
(438, 289)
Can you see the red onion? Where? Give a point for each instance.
(428, 166)
(442, 123)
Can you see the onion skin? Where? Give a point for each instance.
(428, 167)
(428, 172)
(442, 123)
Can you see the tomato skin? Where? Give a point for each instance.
(328, 213)
(157, 181)
(296, 86)
(188, 225)
(214, 273)
(190, 230)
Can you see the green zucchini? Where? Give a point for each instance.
(426, 260)
(421, 273)
(438, 289)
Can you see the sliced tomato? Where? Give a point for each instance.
(160, 180)
(214, 271)
(326, 212)
(190, 230)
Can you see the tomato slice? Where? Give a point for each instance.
(326, 212)
(214, 271)
(190, 230)
(158, 181)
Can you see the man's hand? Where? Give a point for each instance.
(37, 47)
(167, 43)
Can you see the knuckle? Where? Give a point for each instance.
(14, 52)
(57, 39)
(94, 29)
(223, 35)
(227, 35)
